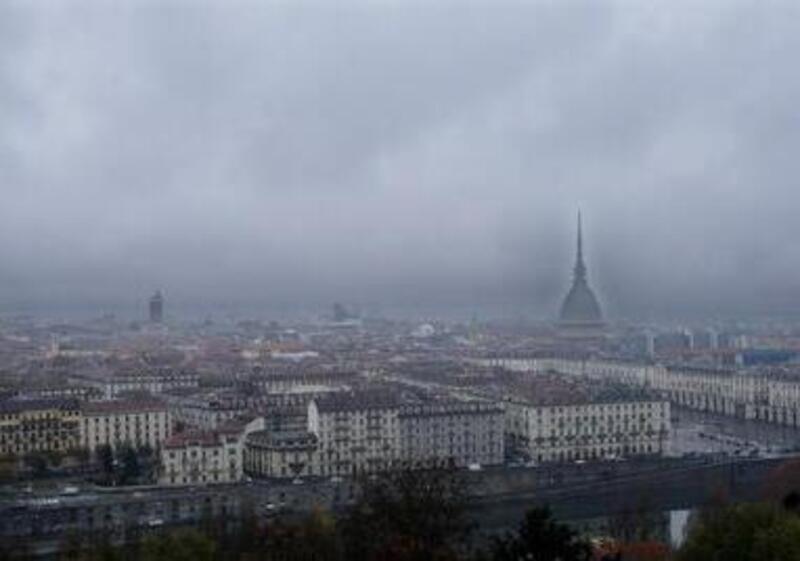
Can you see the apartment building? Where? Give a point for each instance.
(282, 454)
(204, 410)
(304, 381)
(587, 431)
(125, 422)
(202, 457)
(452, 432)
(38, 425)
(154, 381)
(769, 395)
(356, 431)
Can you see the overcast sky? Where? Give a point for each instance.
(398, 154)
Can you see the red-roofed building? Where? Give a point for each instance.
(206, 457)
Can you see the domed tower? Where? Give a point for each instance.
(580, 308)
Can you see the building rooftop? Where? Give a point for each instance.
(447, 407)
(17, 405)
(282, 439)
(193, 438)
(355, 401)
(123, 406)
(555, 390)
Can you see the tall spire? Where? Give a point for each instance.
(580, 267)
(580, 307)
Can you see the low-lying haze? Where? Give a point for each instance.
(429, 155)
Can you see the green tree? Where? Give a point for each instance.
(314, 539)
(148, 463)
(79, 455)
(105, 457)
(54, 458)
(636, 522)
(182, 545)
(541, 538)
(320, 536)
(8, 468)
(71, 547)
(408, 514)
(131, 468)
(103, 550)
(18, 549)
(782, 485)
(743, 532)
(37, 463)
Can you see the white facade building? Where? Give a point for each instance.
(587, 431)
(151, 382)
(770, 395)
(370, 432)
(356, 432)
(207, 457)
(116, 423)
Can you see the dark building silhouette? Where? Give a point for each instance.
(580, 309)
(340, 313)
(157, 307)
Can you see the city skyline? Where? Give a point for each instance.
(358, 281)
(547, 306)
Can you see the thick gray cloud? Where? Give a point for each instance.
(426, 154)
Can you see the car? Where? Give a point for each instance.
(474, 467)
(297, 481)
(336, 479)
